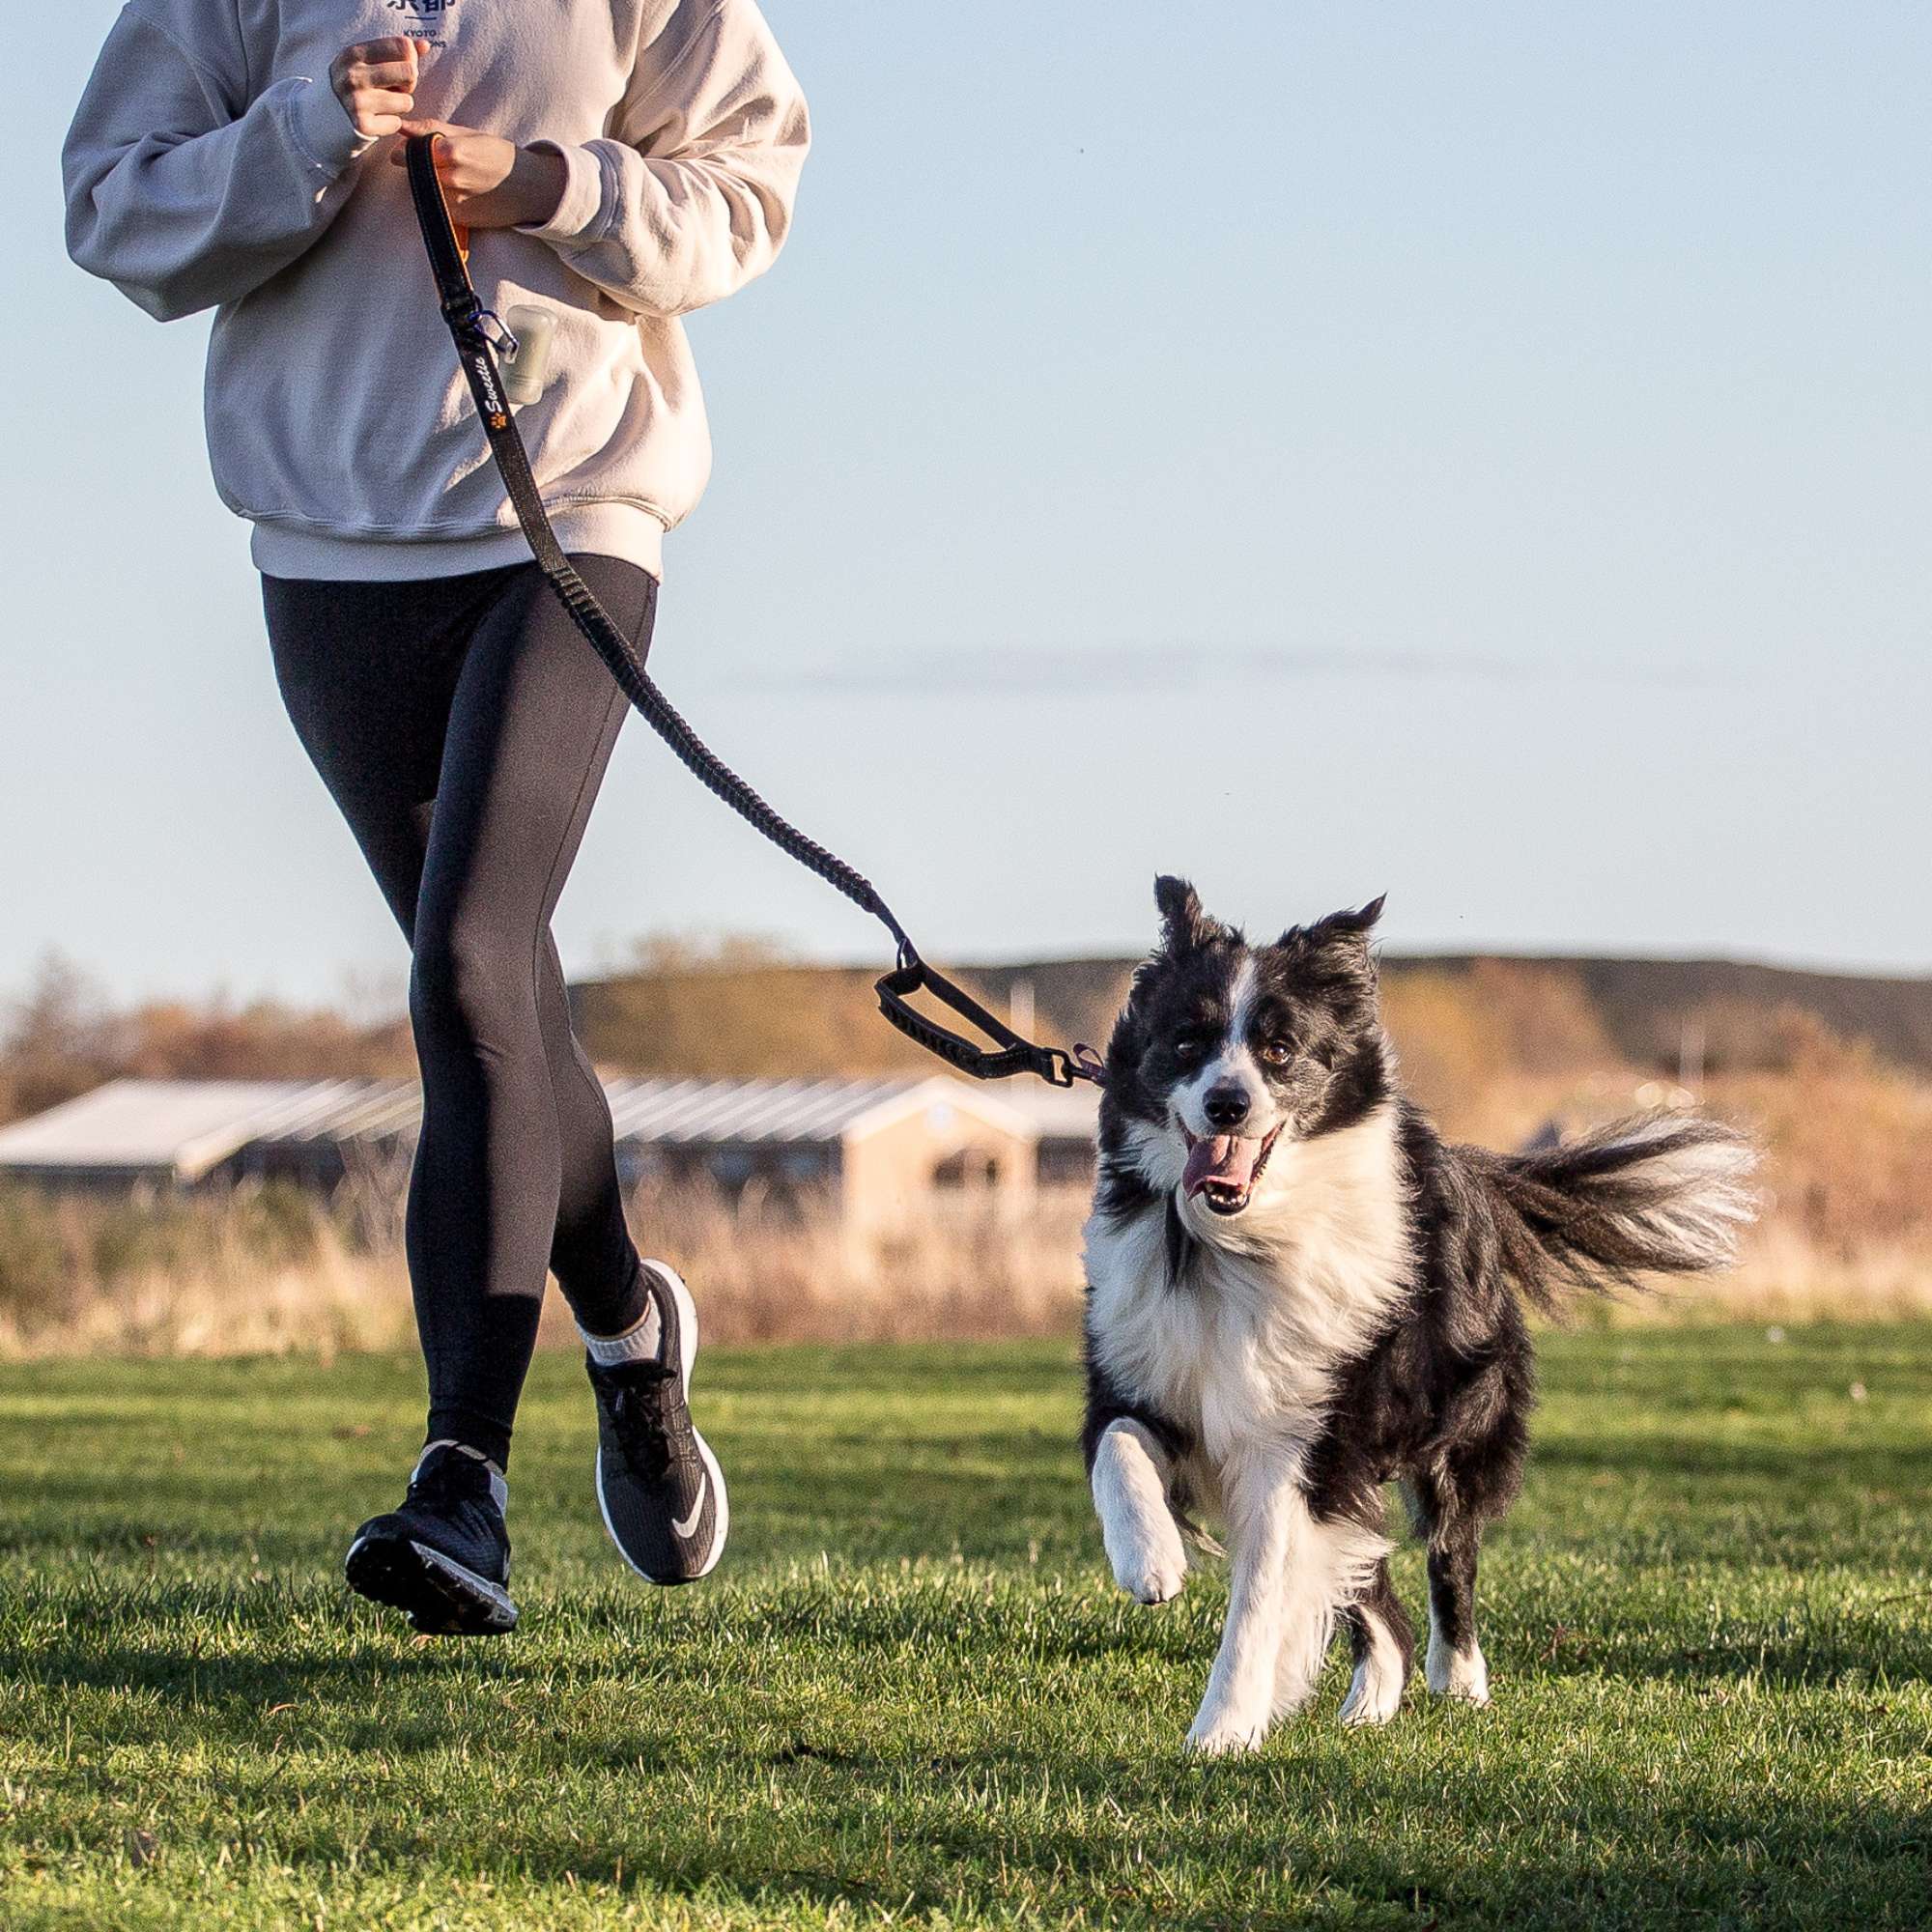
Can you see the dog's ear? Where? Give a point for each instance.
(1184, 924)
(1340, 928)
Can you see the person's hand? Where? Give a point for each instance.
(376, 82)
(489, 182)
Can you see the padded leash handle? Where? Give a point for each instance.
(478, 334)
(1053, 1064)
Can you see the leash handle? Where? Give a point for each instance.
(477, 333)
(1052, 1063)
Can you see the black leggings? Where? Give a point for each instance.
(463, 727)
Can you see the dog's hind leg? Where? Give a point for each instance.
(1455, 1666)
(1383, 1642)
(1130, 1477)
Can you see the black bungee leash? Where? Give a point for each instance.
(478, 334)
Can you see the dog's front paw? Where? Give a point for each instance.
(1151, 1575)
(1382, 1673)
(1226, 1734)
(1148, 1561)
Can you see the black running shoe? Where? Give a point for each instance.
(658, 1483)
(444, 1556)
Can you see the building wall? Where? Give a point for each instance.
(741, 1172)
(936, 1160)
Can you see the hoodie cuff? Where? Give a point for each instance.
(579, 208)
(321, 129)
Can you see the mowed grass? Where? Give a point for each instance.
(911, 1695)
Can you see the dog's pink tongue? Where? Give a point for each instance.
(1227, 1158)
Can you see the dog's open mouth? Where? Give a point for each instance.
(1222, 1169)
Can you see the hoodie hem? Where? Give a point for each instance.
(622, 530)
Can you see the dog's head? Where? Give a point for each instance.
(1226, 1050)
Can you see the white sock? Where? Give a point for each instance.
(638, 1343)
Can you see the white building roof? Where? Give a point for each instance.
(174, 1127)
(706, 1112)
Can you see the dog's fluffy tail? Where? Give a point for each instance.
(1662, 1194)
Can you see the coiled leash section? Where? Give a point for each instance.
(478, 335)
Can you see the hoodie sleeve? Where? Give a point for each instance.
(690, 196)
(181, 191)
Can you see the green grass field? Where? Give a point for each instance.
(911, 1695)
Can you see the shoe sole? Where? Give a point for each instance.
(438, 1593)
(687, 1331)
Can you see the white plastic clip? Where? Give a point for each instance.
(534, 330)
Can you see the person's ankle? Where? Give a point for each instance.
(638, 1343)
(635, 1328)
(473, 1430)
(470, 1449)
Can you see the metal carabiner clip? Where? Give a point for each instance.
(494, 331)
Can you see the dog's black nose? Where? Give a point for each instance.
(1225, 1107)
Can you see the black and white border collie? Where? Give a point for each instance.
(1296, 1291)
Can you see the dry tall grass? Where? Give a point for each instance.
(219, 1288)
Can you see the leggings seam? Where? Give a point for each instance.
(549, 880)
(547, 905)
(557, 858)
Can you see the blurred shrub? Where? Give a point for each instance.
(59, 1252)
(1461, 1031)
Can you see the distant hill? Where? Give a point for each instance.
(1645, 1004)
(745, 1020)
(741, 1022)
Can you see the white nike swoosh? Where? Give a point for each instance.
(683, 1529)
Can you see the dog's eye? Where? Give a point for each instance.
(1276, 1052)
(1186, 1046)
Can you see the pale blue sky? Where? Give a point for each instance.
(1475, 452)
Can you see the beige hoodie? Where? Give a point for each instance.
(211, 165)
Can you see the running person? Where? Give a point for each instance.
(618, 162)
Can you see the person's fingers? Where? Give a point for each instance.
(380, 103)
(401, 75)
(439, 131)
(390, 48)
(408, 129)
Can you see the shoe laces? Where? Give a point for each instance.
(641, 1417)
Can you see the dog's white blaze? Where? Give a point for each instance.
(1374, 1693)
(1130, 1498)
(1455, 1673)
(1234, 1066)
